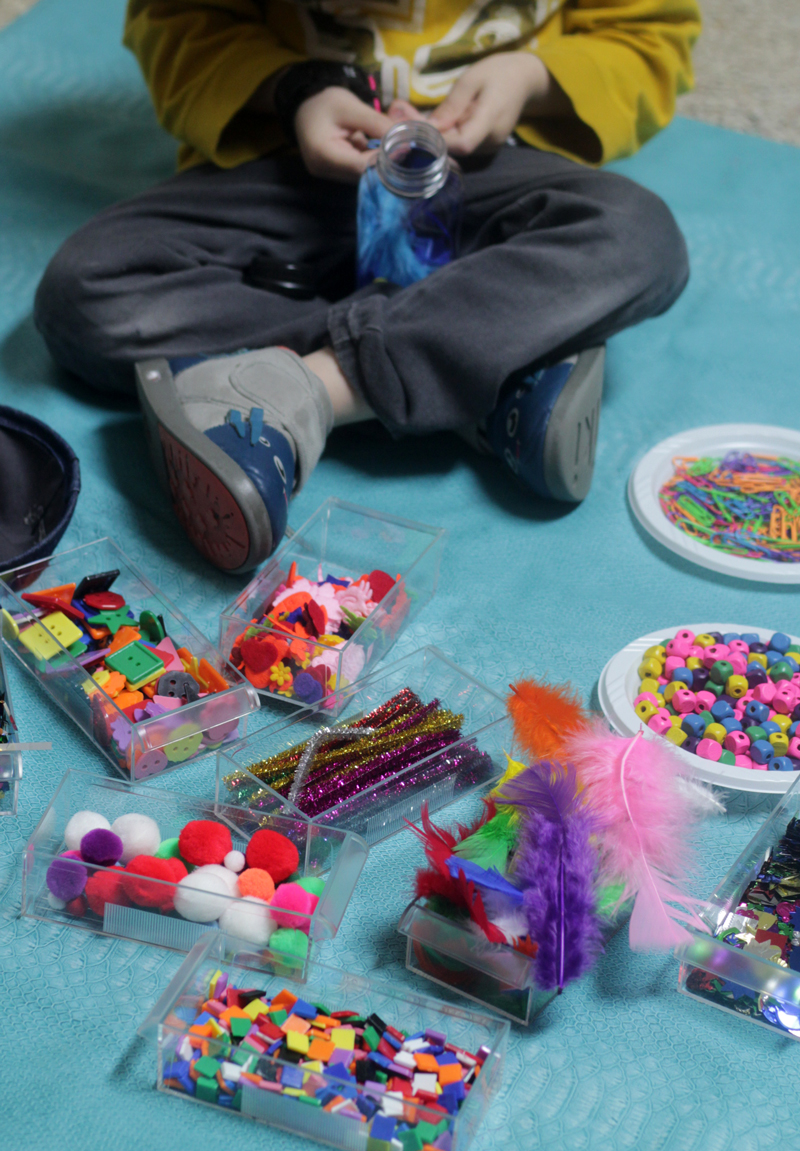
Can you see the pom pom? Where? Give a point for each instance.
(204, 841)
(76, 907)
(81, 823)
(56, 904)
(202, 896)
(544, 715)
(290, 942)
(273, 852)
(256, 882)
(106, 887)
(312, 883)
(101, 847)
(248, 919)
(139, 835)
(234, 861)
(66, 878)
(139, 888)
(292, 897)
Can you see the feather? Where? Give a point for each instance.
(632, 785)
(555, 865)
(491, 844)
(543, 714)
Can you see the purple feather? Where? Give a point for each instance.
(555, 864)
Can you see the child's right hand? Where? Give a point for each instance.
(333, 129)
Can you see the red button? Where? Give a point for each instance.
(104, 601)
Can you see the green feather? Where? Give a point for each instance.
(492, 843)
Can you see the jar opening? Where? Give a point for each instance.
(412, 159)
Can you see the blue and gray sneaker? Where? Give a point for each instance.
(228, 470)
(544, 427)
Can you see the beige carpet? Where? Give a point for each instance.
(746, 63)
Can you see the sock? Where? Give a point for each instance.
(294, 399)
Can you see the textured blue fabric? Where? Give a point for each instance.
(619, 1062)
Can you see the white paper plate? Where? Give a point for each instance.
(656, 468)
(619, 686)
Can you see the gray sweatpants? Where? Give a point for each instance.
(556, 257)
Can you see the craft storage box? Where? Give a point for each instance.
(10, 761)
(381, 810)
(337, 856)
(399, 1007)
(151, 746)
(495, 975)
(343, 539)
(707, 958)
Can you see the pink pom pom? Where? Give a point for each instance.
(293, 897)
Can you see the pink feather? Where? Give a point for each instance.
(632, 786)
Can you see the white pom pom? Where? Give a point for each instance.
(234, 861)
(81, 823)
(139, 835)
(227, 877)
(55, 902)
(202, 897)
(248, 919)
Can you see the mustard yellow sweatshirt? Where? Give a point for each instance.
(621, 62)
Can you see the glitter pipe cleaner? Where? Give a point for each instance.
(315, 742)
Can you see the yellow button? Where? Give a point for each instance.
(717, 731)
(645, 710)
(676, 720)
(39, 642)
(757, 657)
(651, 685)
(693, 663)
(783, 721)
(659, 653)
(704, 640)
(59, 625)
(671, 688)
(650, 667)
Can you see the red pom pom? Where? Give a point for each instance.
(76, 907)
(204, 841)
(272, 852)
(104, 887)
(138, 888)
(380, 583)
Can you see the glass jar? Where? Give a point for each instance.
(409, 207)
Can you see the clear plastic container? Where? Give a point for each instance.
(10, 761)
(468, 1029)
(381, 810)
(741, 982)
(344, 541)
(151, 746)
(335, 855)
(409, 207)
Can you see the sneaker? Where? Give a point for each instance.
(230, 484)
(544, 427)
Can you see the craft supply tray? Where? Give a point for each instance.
(337, 856)
(137, 749)
(344, 540)
(382, 809)
(741, 982)
(469, 1029)
(10, 761)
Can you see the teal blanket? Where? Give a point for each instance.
(621, 1061)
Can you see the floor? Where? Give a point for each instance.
(746, 67)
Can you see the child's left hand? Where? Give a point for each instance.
(487, 102)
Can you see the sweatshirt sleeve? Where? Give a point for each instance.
(622, 63)
(202, 61)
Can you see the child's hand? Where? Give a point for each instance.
(332, 130)
(487, 102)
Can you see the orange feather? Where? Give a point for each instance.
(544, 715)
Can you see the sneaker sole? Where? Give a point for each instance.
(216, 502)
(571, 438)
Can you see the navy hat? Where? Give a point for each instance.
(40, 479)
